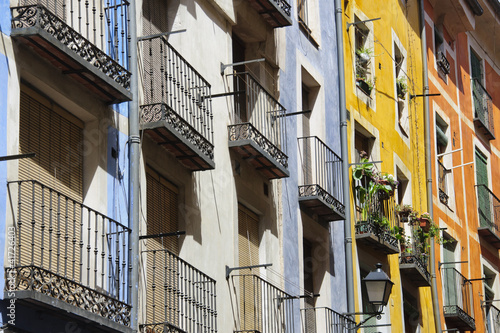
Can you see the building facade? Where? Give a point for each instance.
(463, 70)
(239, 172)
(384, 76)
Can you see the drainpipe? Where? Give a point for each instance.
(134, 154)
(345, 160)
(428, 167)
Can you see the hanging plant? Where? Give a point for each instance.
(401, 87)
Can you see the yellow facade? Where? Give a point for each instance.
(391, 130)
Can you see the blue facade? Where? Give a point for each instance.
(324, 61)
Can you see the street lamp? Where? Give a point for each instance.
(378, 287)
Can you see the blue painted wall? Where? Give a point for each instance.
(324, 59)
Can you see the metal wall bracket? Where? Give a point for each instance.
(230, 269)
(224, 66)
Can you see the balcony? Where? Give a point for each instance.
(177, 113)
(458, 301)
(374, 220)
(415, 268)
(89, 44)
(258, 128)
(69, 259)
(483, 110)
(488, 206)
(263, 308)
(456, 16)
(325, 320)
(277, 13)
(179, 298)
(443, 63)
(320, 192)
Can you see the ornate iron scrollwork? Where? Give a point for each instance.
(247, 131)
(53, 285)
(316, 190)
(161, 112)
(41, 17)
(420, 265)
(284, 5)
(382, 233)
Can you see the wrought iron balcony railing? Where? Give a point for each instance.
(442, 183)
(87, 41)
(458, 301)
(492, 318)
(443, 63)
(69, 252)
(483, 109)
(258, 127)
(417, 267)
(488, 206)
(263, 307)
(177, 109)
(374, 219)
(180, 298)
(321, 187)
(325, 320)
(276, 12)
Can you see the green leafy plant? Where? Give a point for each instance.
(402, 87)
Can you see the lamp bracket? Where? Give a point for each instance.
(451, 262)
(224, 66)
(348, 24)
(16, 157)
(230, 269)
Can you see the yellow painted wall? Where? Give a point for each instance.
(378, 115)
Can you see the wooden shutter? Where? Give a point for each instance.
(309, 302)
(56, 137)
(483, 196)
(475, 64)
(162, 301)
(248, 247)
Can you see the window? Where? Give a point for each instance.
(478, 90)
(308, 19)
(308, 270)
(248, 250)
(441, 148)
(365, 79)
(401, 88)
(440, 52)
(449, 273)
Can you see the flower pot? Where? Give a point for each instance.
(364, 86)
(425, 224)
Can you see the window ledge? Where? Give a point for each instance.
(308, 32)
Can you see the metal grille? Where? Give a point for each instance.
(442, 183)
(457, 293)
(483, 105)
(170, 80)
(96, 30)
(489, 209)
(333, 321)
(270, 309)
(262, 111)
(323, 168)
(378, 206)
(443, 63)
(69, 251)
(182, 297)
(492, 318)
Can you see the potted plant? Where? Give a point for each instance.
(401, 87)
(404, 212)
(364, 54)
(365, 84)
(425, 221)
